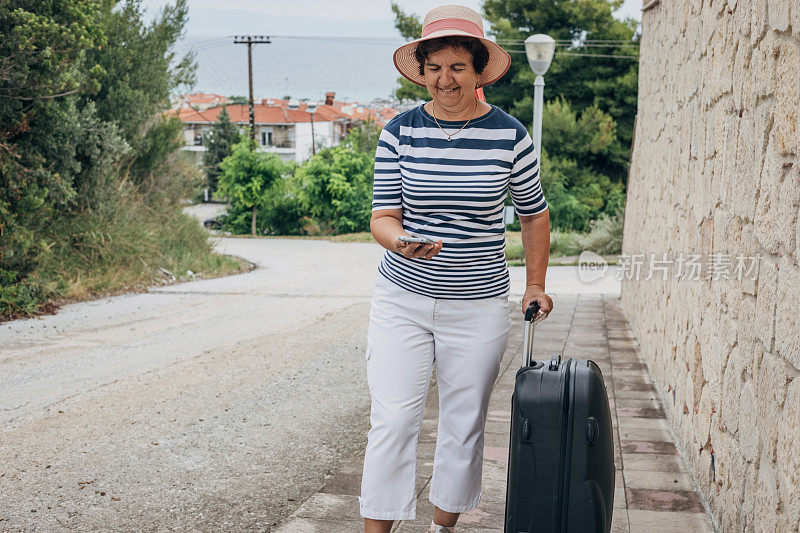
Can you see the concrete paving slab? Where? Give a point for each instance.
(668, 522)
(645, 479)
(297, 524)
(330, 507)
(653, 462)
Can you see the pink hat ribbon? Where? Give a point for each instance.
(453, 24)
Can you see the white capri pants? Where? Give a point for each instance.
(408, 332)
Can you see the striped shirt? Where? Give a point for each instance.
(455, 191)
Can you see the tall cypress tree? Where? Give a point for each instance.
(219, 141)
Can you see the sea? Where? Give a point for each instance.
(356, 69)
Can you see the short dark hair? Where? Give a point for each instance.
(478, 50)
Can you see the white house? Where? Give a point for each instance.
(285, 130)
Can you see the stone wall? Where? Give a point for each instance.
(714, 181)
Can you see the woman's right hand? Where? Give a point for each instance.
(416, 250)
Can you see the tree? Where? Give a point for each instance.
(610, 83)
(137, 72)
(42, 68)
(576, 175)
(219, 143)
(336, 188)
(83, 85)
(140, 70)
(410, 28)
(363, 137)
(247, 175)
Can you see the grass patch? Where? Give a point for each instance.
(605, 238)
(124, 246)
(561, 244)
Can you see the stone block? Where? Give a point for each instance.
(787, 104)
(741, 20)
(779, 16)
(743, 183)
(795, 21)
(726, 180)
(758, 19)
(767, 499)
(702, 417)
(742, 88)
(748, 426)
(773, 378)
(771, 384)
(766, 301)
(762, 116)
(728, 480)
(763, 63)
(797, 238)
(749, 503)
(787, 322)
(730, 413)
(776, 212)
(708, 30)
(746, 247)
(788, 453)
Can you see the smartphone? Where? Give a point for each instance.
(422, 240)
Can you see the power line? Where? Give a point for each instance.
(185, 46)
(579, 55)
(576, 41)
(508, 46)
(215, 71)
(350, 40)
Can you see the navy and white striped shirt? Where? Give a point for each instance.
(455, 191)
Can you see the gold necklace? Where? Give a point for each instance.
(449, 135)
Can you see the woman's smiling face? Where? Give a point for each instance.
(450, 77)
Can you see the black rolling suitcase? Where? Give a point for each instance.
(561, 457)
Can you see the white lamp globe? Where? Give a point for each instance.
(540, 49)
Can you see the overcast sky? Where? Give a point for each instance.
(367, 18)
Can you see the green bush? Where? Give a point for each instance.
(22, 297)
(279, 214)
(336, 189)
(246, 180)
(89, 175)
(605, 236)
(564, 243)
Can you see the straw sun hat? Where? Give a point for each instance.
(447, 21)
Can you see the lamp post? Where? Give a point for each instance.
(540, 49)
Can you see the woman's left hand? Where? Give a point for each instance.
(536, 293)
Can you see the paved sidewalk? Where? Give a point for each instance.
(654, 492)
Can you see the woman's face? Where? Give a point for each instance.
(450, 77)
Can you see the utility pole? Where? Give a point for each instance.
(313, 139)
(250, 40)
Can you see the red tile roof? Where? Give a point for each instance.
(241, 114)
(281, 114)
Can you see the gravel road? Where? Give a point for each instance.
(212, 405)
(215, 405)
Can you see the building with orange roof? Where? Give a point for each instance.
(285, 127)
(282, 130)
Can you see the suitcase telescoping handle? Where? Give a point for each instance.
(532, 317)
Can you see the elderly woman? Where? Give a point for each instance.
(442, 172)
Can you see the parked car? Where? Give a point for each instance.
(212, 223)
